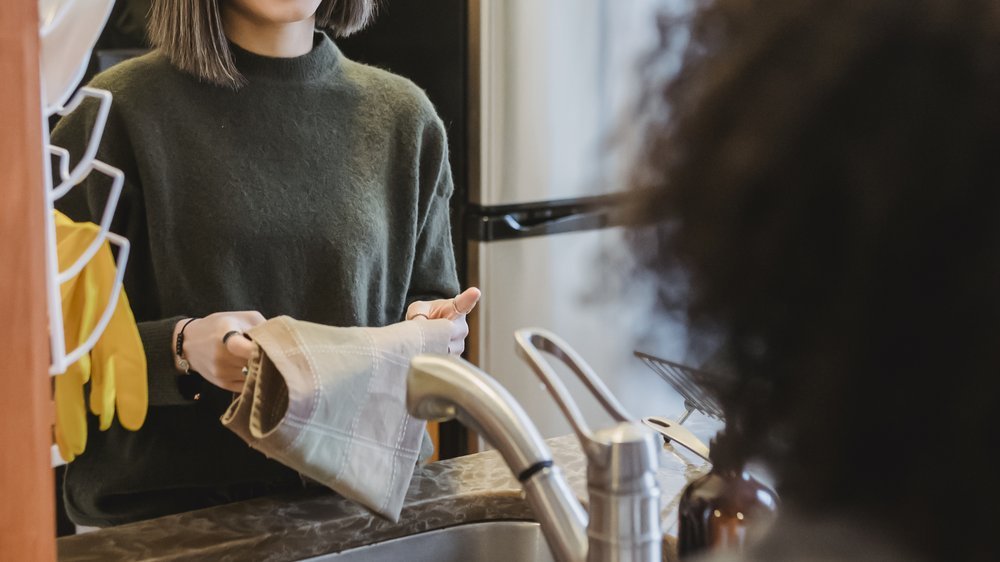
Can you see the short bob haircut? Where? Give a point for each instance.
(190, 34)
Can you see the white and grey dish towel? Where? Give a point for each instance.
(331, 403)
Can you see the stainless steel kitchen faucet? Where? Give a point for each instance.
(624, 516)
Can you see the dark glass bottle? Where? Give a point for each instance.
(719, 510)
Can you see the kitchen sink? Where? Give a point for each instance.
(495, 541)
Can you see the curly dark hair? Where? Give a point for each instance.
(823, 202)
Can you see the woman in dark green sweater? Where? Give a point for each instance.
(266, 174)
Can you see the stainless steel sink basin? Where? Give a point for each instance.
(495, 541)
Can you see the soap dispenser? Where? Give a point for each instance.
(721, 510)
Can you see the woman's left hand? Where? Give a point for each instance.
(454, 309)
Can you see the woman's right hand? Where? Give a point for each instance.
(454, 309)
(219, 363)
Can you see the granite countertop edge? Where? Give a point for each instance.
(315, 522)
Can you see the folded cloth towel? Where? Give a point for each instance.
(331, 403)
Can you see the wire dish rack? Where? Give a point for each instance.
(685, 380)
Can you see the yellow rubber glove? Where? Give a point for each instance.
(118, 360)
(71, 414)
(97, 286)
(116, 367)
(72, 239)
(71, 411)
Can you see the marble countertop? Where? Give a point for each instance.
(467, 489)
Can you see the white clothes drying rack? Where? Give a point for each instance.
(68, 179)
(67, 32)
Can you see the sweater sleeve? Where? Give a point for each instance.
(86, 202)
(434, 275)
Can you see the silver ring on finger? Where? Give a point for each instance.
(245, 371)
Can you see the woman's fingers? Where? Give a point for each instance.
(419, 309)
(240, 346)
(240, 349)
(230, 373)
(465, 302)
(454, 309)
(449, 309)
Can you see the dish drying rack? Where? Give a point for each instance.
(686, 381)
(67, 180)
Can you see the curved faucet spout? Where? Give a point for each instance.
(442, 387)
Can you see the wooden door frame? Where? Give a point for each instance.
(27, 511)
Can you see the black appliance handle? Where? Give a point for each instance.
(529, 221)
(534, 226)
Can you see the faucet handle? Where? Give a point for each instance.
(622, 460)
(530, 344)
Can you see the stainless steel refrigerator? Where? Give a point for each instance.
(550, 83)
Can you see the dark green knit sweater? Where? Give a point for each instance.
(320, 190)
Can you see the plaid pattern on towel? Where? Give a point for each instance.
(331, 403)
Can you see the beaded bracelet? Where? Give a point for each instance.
(181, 360)
(189, 384)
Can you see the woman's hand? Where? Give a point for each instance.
(219, 363)
(454, 309)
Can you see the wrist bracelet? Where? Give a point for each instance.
(181, 360)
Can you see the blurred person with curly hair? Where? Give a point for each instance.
(822, 202)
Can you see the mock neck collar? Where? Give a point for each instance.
(323, 58)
